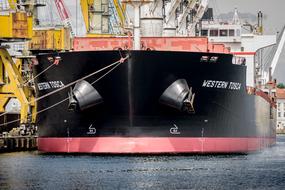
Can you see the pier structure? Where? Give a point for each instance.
(18, 143)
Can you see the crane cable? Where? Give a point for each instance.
(117, 63)
(33, 78)
(122, 60)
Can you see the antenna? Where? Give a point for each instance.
(236, 19)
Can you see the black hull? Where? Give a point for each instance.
(132, 93)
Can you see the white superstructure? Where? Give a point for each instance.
(239, 43)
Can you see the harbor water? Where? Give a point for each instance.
(34, 170)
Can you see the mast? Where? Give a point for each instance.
(260, 23)
(236, 19)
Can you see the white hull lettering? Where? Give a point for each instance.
(50, 85)
(221, 84)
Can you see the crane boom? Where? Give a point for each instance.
(120, 8)
(278, 51)
(199, 14)
(64, 15)
(85, 4)
(96, 16)
(199, 5)
(171, 12)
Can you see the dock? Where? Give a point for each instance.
(18, 143)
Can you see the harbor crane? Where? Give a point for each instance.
(16, 94)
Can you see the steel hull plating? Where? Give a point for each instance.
(132, 117)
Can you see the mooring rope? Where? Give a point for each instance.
(33, 78)
(4, 113)
(122, 60)
(117, 63)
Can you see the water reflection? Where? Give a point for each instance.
(32, 170)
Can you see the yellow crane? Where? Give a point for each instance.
(16, 25)
(121, 10)
(11, 86)
(96, 16)
(53, 38)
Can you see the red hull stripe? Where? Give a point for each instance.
(153, 145)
